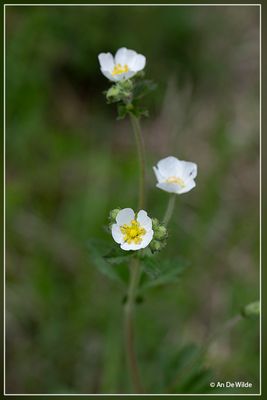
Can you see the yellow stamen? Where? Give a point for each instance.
(119, 69)
(174, 179)
(132, 233)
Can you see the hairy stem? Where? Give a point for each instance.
(141, 156)
(134, 270)
(128, 326)
(169, 209)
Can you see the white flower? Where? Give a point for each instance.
(124, 65)
(175, 176)
(131, 232)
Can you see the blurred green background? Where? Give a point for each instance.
(69, 161)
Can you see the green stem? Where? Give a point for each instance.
(169, 209)
(134, 270)
(128, 326)
(141, 156)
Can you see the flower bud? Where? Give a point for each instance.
(113, 92)
(155, 245)
(120, 92)
(113, 214)
(251, 310)
(155, 223)
(126, 85)
(160, 233)
(129, 107)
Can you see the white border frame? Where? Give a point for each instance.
(260, 189)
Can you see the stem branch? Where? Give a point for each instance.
(128, 326)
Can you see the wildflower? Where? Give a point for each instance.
(175, 176)
(132, 232)
(124, 65)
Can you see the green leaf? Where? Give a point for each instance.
(177, 361)
(140, 112)
(99, 253)
(161, 272)
(122, 111)
(142, 88)
(116, 256)
(184, 371)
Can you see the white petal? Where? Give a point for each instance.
(144, 220)
(126, 246)
(170, 166)
(116, 233)
(138, 63)
(159, 176)
(168, 187)
(124, 56)
(132, 246)
(147, 238)
(189, 170)
(189, 186)
(175, 188)
(124, 75)
(109, 75)
(106, 61)
(125, 216)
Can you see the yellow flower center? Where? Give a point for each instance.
(132, 233)
(119, 69)
(174, 179)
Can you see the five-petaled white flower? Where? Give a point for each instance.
(124, 65)
(175, 176)
(132, 232)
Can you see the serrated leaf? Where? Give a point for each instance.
(161, 272)
(122, 111)
(115, 256)
(138, 111)
(142, 88)
(97, 249)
